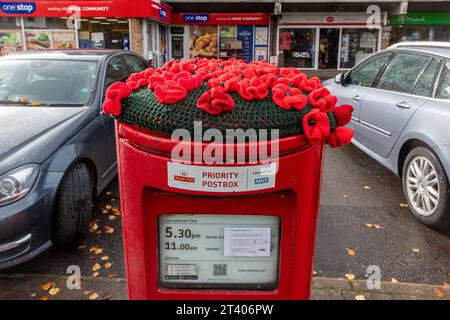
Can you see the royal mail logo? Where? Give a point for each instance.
(183, 177)
(18, 7)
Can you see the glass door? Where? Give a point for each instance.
(328, 48)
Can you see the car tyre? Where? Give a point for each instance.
(426, 188)
(74, 207)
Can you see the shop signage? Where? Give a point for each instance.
(245, 34)
(222, 18)
(89, 9)
(12, 8)
(426, 18)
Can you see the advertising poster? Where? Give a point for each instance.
(38, 39)
(64, 40)
(245, 34)
(261, 54)
(203, 41)
(261, 36)
(285, 40)
(10, 42)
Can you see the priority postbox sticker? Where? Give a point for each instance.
(221, 179)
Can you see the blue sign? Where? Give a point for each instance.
(262, 180)
(195, 18)
(18, 7)
(162, 13)
(245, 34)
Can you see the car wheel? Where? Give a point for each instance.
(426, 188)
(74, 209)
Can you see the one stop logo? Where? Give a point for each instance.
(18, 7)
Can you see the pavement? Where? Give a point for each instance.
(29, 287)
(363, 227)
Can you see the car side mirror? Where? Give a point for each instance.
(339, 78)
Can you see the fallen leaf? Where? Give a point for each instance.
(105, 211)
(98, 250)
(109, 230)
(96, 274)
(53, 291)
(108, 206)
(345, 196)
(438, 293)
(373, 226)
(96, 267)
(48, 285)
(98, 232)
(87, 292)
(393, 280)
(92, 249)
(446, 285)
(33, 294)
(351, 252)
(43, 298)
(107, 265)
(404, 205)
(74, 278)
(350, 276)
(112, 275)
(107, 296)
(92, 257)
(112, 200)
(112, 217)
(360, 297)
(109, 193)
(94, 227)
(367, 187)
(104, 258)
(81, 247)
(93, 296)
(417, 250)
(315, 273)
(117, 213)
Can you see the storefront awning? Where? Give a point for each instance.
(422, 18)
(221, 18)
(88, 9)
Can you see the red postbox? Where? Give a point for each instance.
(234, 230)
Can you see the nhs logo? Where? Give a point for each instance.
(262, 180)
(18, 7)
(201, 18)
(162, 13)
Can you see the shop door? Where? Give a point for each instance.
(163, 48)
(328, 48)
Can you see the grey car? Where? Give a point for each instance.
(57, 148)
(401, 98)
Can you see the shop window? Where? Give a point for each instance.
(443, 89)
(10, 36)
(402, 74)
(48, 23)
(365, 74)
(356, 45)
(104, 33)
(425, 84)
(297, 47)
(410, 33)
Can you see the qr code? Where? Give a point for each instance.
(219, 270)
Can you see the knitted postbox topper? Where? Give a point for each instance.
(230, 95)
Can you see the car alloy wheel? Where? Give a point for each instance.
(422, 186)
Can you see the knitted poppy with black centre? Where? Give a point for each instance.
(230, 95)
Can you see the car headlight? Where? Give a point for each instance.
(15, 184)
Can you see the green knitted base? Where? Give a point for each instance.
(143, 109)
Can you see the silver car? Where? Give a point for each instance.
(401, 98)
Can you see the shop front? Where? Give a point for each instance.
(220, 35)
(41, 25)
(316, 41)
(420, 26)
(156, 35)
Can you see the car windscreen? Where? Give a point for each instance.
(47, 82)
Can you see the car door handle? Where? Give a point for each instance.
(403, 105)
(357, 98)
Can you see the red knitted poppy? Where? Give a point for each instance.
(321, 98)
(316, 126)
(170, 92)
(288, 98)
(137, 80)
(253, 89)
(215, 101)
(113, 98)
(340, 136)
(186, 80)
(310, 84)
(154, 80)
(343, 115)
